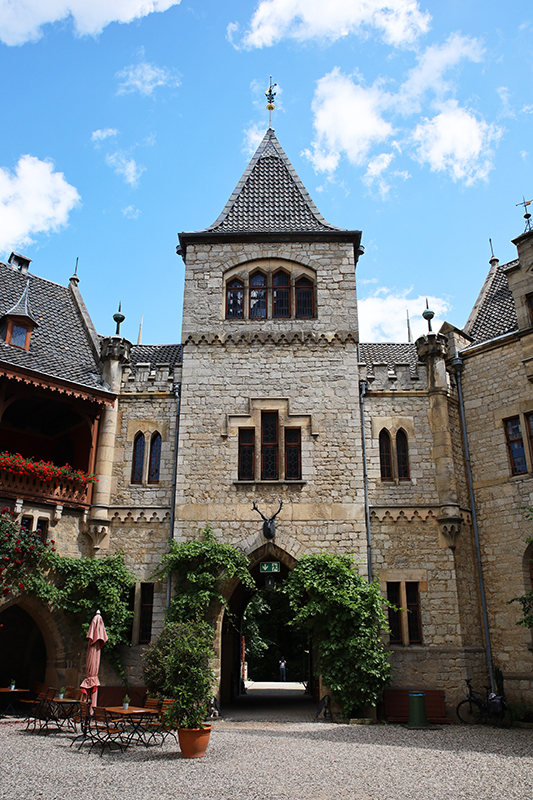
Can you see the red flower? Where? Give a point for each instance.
(6, 589)
(21, 586)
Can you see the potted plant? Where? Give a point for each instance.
(62, 692)
(12, 684)
(125, 702)
(177, 665)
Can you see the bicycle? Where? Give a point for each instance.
(476, 709)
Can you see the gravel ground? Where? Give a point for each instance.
(278, 761)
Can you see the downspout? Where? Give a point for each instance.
(174, 487)
(458, 366)
(362, 392)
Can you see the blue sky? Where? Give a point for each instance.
(127, 121)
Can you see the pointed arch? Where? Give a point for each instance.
(385, 455)
(258, 295)
(281, 294)
(402, 455)
(137, 462)
(154, 462)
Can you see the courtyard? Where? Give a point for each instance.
(268, 760)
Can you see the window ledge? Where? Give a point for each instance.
(269, 483)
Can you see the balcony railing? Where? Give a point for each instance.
(60, 491)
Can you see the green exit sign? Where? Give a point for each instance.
(270, 566)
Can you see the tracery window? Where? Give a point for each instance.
(137, 464)
(279, 451)
(258, 296)
(304, 298)
(385, 455)
(235, 299)
(155, 458)
(281, 299)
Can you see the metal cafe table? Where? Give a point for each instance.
(11, 695)
(134, 716)
(65, 710)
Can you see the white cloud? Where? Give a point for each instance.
(127, 167)
(348, 119)
(131, 212)
(103, 133)
(457, 142)
(383, 315)
(374, 172)
(252, 138)
(144, 78)
(22, 20)
(400, 22)
(432, 65)
(34, 199)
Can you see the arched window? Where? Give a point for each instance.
(138, 458)
(385, 455)
(402, 455)
(258, 296)
(304, 298)
(155, 458)
(281, 303)
(235, 299)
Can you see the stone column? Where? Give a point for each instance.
(115, 352)
(431, 351)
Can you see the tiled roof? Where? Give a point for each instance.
(270, 198)
(389, 353)
(59, 346)
(156, 354)
(494, 312)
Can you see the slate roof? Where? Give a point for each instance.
(269, 199)
(389, 353)
(154, 354)
(494, 312)
(59, 346)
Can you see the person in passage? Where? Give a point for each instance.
(282, 669)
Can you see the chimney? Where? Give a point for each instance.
(17, 261)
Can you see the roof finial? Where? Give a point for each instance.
(428, 315)
(527, 215)
(270, 95)
(140, 337)
(119, 319)
(409, 335)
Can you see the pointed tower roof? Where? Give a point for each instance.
(269, 203)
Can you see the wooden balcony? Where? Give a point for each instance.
(60, 491)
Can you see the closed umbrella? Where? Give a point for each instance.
(97, 637)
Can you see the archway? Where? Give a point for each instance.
(271, 615)
(22, 648)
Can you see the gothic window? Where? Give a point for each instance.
(235, 299)
(147, 607)
(515, 445)
(385, 455)
(404, 618)
(258, 296)
(281, 304)
(246, 454)
(155, 458)
(304, 298)
(269, 446)
(293, 454)
(402, 455)
(137, 464)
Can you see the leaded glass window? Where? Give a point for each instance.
(258, 296)
(293, 454)
(385, 457)
(138, 459)
(402, 455)
(515, 445)
(235, 299)
(269, 446)
(246, 454)
(281, 303)
(155, 458)
(304, 298)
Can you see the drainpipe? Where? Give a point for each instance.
(458, 366)
(362, 392)
(174, 487)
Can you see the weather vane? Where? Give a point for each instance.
(270, 95)
(527, 215)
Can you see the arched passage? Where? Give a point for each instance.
(23, 653)
(273, 629)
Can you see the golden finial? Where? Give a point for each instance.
(270, 95)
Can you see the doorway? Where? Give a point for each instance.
(22, 648)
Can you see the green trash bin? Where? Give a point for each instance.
(418, 717)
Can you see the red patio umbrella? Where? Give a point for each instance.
(97, 637)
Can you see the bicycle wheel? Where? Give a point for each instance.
(471, 712)
(504, 717)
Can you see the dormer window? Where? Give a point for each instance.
(18, 335)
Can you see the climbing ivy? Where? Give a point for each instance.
(200, 568)
(344, 614)
(77, 586)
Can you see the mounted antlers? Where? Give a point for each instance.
(269, 526)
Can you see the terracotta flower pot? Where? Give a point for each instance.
(194, 741)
